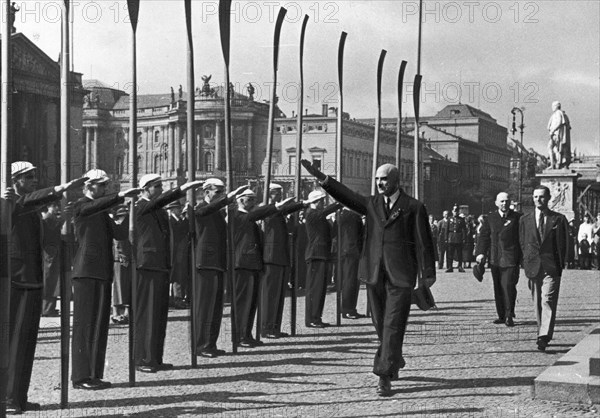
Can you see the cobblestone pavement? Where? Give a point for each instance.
(459, 364)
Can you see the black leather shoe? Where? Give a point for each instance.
(146, 369)
(542, 343)
(353, 316)
(88, 385)
(282, 335)
(384, 388)
(509, 322)
(316, 325)
(461, 270)
(499, 321)
(449, 271)
(270, 336)
(32, 406)
(255, 342)
(165, 366)
(208, 353)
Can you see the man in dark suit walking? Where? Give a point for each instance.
(398, 248)
(92, 278)
(153, 267)
(544, 239)
(442, 239)
(26, 287)
(500, 236)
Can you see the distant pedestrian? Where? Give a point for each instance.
(543, 237)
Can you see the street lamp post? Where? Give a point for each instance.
(513, 131)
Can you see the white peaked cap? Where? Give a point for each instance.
(96, 176)
(20, 167)
(147, 179)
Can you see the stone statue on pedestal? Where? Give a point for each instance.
(559, 143)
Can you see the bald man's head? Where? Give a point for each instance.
(386, 178)
(503, 202)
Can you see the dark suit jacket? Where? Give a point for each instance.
(318, 233)
(456, 230)
(248, 246)
(351, 239)
(94, 232)
(546, 254)
(211, 235)
(152, 232)
(275, 248)
(26, 239)
(401, 243)
(501, 238)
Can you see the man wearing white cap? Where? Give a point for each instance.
(248, 261)
(153, 267)
(92, 278)
(26, 277)
(211, 264)
(276, 259)
(398, 248)
(317, 255)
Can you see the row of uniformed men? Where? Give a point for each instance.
(92, 269)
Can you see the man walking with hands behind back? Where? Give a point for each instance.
(500, 236)
(543, 236)
(398, 248)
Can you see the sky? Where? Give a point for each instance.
(492, 55)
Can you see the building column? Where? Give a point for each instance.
(218, 146)
(199, 147)
(148, 153)
(88, 148)
(126, 162)
(177, 149)
(95, 148)
(249, 150)
(171, 157)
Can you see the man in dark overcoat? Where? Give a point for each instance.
(350, 245)
(153, 263)
(317, 256)
(398, 248)
(211, 265)
(92, 278)
(500, 236)
(27, 283)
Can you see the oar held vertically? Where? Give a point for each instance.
(66, 233)
(225, 28)
(133, 7)
(296, 256)
(6, 207)
(191, 176)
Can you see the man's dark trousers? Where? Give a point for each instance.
(91, 313)
(505, 290)
(390, 307)
(316, 288)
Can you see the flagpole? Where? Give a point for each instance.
(271, 124)
(6, 207)
(296, 258)
(399, 121)
(133, 7)
(191, 162)
(225, 28)
(65, 135)
(339, 157)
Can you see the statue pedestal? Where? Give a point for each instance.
(563, 186)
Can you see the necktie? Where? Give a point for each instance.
(386, 205)
(541, 225)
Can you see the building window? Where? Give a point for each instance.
(208, 161)
(316, 160)
(292, 164)
(156, 168)
(139, 137)
(156, 136)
